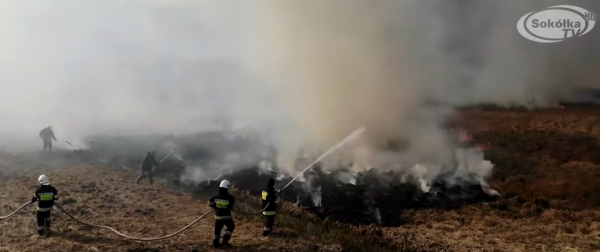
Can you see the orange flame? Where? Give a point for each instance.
(464, 136)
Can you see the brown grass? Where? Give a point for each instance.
(547, 170)
(549, 154)
(110, 197)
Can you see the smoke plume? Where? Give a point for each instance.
(301, 74)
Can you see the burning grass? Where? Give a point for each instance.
(546, 169)
(305, 224)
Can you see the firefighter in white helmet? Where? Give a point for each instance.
(223, 204)
(45, 195)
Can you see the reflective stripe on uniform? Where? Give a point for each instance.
(269, 212)
(222, 203)
(45, 209)
(266, 229)
(222, 217)
(264, 195)
(40, 228)
(46, 196)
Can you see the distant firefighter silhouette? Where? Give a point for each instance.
(47, 135)
(147, 166)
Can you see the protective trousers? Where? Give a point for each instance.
(269, 221)
(48, 145)
(218, 226)
(142, 171)
(43, 220)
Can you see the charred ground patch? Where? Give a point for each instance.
(374, 196)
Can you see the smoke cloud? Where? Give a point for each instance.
(303, 74)
(399, 67)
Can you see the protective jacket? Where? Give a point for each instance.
(47, 134)
(45, 195)
(148, 162)
(223, 204)
(269, 197)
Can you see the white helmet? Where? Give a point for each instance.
(224, 184)
(44, 180)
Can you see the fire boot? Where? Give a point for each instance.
(47, 230)
(216, 242)
(226, 238)
(266, 231)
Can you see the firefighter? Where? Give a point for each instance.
(269, 196)
(45, 195)
(47, 135)
(223, 204)
(148, 165)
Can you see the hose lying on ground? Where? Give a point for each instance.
(19, 209)
(152, 238)
(253, 212)
(131, 237)
(355, 133)
(124, 235)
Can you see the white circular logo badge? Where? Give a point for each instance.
(556, 23)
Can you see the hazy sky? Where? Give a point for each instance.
(320, 68)
(90, 66)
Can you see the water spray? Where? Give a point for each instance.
(167, 155)
(164, 158)
(346, 140)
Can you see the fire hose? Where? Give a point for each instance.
(151, 238)
(19, 209)
(127, 236)
(131, 237)
(265, 208)
(332, 149)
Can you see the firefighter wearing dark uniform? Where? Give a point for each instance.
(47, 135)
(45, 195)
(223, 204)
(147, 166)
(269, 196)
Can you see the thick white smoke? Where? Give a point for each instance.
(398, 67)
(126, 67)
(302, 73)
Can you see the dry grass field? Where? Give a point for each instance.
(547, 170)
(106, 196)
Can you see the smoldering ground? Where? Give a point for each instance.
(301, 74)
(373, 196)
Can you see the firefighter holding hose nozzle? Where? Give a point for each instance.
(45, 195)
(223, 204)
(147, 166)
(47, 135)
(269, 196)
